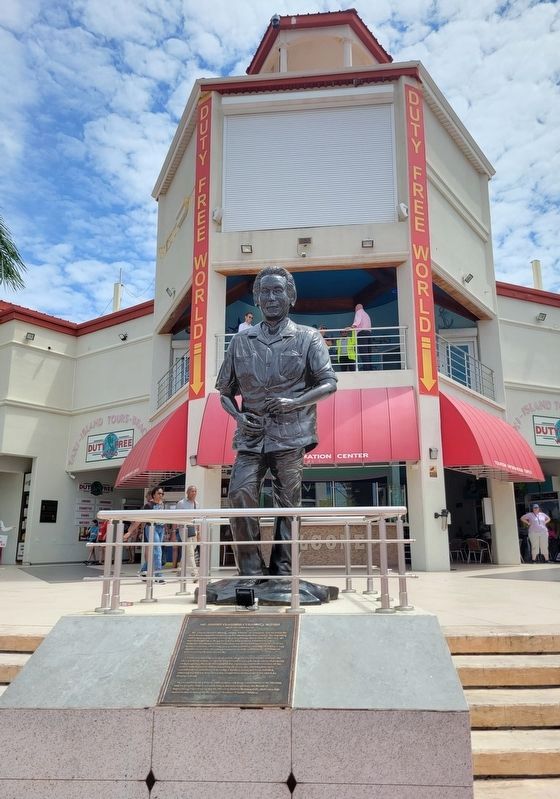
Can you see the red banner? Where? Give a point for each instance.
(420, 244)
(199, 303)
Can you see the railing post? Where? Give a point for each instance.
(295, 606)
(369, 555)
(385, 598)
(204, 569)
(347, 561)
(107, 559)
(150, 565)
(403, 594)
(116, 595)
(183, 567)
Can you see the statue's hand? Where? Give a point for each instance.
(280, 405)
(250, 423)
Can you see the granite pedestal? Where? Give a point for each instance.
(377, 712)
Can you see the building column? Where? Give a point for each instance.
(426, 493)
(505, 538)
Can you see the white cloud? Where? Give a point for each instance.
(101, 85)
(17, 16)
(15, 104)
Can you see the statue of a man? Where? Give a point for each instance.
(281, 370)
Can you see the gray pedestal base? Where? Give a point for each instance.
(377, 713)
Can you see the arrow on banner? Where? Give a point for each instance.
(427, 377)
(197, 382)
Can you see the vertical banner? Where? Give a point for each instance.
(199, 303)
(424, 319)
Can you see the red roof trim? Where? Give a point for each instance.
(10, 312)
(288, 82)
(325, 20)
(528, 295)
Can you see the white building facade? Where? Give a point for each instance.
(354, 173)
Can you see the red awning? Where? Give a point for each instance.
(355, 426)
(477, 442)
(159, 455)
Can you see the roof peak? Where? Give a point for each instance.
(323, 20)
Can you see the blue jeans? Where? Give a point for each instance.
(158, 538)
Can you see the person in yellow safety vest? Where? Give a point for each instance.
(346, 351)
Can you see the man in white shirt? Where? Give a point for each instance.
(536, 521)
(247, 323)
(189, 503)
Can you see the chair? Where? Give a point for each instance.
(457, 549)
(478, 548)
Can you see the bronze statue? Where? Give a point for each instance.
(281, 370)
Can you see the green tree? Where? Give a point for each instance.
(11, 265)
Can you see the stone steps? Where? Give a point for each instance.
(16, 647)
(514, 707)
(511, 679)
(516, 753)
(517, 789)
(11, 663)
(507, 670)
(503, 641)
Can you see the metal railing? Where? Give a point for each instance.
(456, 363)
(378, 348)
(174, 379)
(206, 519)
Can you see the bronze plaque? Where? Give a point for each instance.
(234, 659)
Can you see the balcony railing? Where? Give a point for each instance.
(455, 362)
(174, 379)
(379, 348)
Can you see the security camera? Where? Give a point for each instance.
(275, 21)
(71, 476)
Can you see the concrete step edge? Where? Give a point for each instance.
(505, 640)
(20, 642)
(537, 788)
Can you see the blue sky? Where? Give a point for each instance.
(92, 92)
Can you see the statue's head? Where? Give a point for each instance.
(274, 292)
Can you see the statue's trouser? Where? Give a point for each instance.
(247, 476)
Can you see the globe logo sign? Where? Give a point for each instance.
(110, 445)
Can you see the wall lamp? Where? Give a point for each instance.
(541, 316)
(433, 452)
(367, 243)
(246, 249)
(170, 291)
(123, 336)
(193, 460)
(402, 211)
(29, 336)
(468, 278)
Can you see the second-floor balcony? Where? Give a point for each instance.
(383, 349)
(378, 348)
(456, 362)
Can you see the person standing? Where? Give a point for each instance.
(188, 503)
(247, 323)
(346, 351)
(154, 502)
(362, 326)
(93, 532)
(536, 520)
